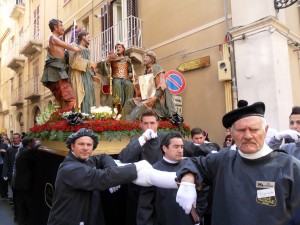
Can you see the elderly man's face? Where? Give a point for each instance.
(295, 122)
(249, 134)
(83, 147)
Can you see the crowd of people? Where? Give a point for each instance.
(215, 186)
(169, 180)
(213, 182)
(17, 173)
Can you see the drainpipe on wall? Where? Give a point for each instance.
(233, 75)
(234, 91)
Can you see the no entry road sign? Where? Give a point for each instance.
(175, 82)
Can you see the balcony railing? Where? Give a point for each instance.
(127, 31)
(17, 96)
(32, 88)
(16, 8)
(30, 42)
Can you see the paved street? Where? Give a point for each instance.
(6, 213)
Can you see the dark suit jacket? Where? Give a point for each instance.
(24, 168)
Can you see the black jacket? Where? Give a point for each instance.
(23, 176)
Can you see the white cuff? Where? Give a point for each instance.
(187, 184)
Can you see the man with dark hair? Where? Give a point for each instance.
(82, 73)
(199, 136)
(199, 145)
(121, 70)
(55, 76)
(288, 140)
(145, 147)
(158, 205)
(81, 176)
(254, 180)
(23, 180)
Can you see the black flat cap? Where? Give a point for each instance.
(82, 133)
(295, 110)
(256, 109)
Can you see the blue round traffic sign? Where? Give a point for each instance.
(175, 81)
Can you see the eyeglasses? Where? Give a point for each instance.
(229, 139)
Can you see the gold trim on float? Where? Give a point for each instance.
(104, 147)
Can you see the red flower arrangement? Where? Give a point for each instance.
(58, 129)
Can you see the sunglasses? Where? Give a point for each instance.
(229, 140)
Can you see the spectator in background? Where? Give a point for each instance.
(6, 140)
(199, 136)
(200, 144)
(8, 164)
(23, 135)
(280, 139)
(229, 143)
(23, 180)
(3, 183)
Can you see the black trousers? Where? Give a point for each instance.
(3, 184)
(24, 206)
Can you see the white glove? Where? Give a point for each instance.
(142, 165)
(114, 189)
(5, 178)
(186, 196)
(149, 134)
(146, 136)
(287, 134)
(143, 169)
(162, 179)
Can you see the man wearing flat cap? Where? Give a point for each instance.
(81, 176)
(289, 140)
(253, 185)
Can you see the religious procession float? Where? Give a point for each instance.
(54, 125)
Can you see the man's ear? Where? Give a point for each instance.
(164, 148)
(266, 130)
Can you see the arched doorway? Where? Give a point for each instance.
(36, 112)
(20, 120)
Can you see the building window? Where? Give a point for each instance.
(36, 23)
(20, 80)
(35, 71)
